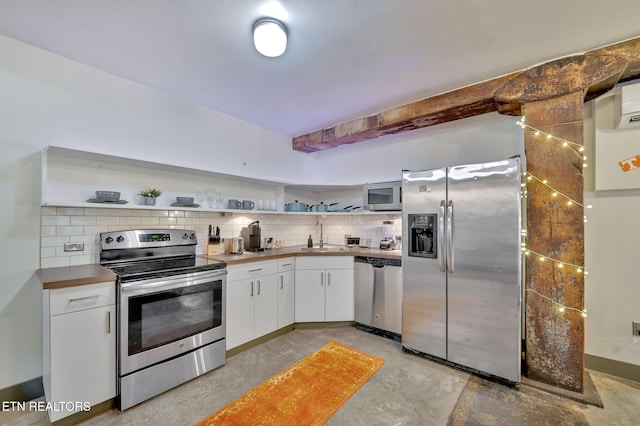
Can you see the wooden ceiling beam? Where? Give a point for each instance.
(629, 51)
(461, 103)
(594, 72)
(561, 77)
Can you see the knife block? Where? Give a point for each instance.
(213, 249)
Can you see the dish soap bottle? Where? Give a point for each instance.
(309, 242)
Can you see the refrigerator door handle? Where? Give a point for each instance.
(450, 237)
(440, 236)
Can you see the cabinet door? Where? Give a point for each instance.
(309, 295)
(240, 317)
(339, 304)
(286, 301)
(265, 305)
(83, 357)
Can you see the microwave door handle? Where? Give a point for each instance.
(440, 236)
(450, 237)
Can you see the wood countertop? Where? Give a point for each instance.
(69, 276)
(248, 256)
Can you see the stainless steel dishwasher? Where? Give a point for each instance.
(378, 294)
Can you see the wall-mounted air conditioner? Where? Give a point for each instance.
(627, 107)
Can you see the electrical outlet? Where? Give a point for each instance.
(635, 328)
(73, 246)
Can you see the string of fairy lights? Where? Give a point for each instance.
(568, 201)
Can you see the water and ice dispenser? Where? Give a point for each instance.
(423, 234)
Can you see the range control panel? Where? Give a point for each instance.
(150, 238)
(145, 238)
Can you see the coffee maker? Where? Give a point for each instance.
(254, 236)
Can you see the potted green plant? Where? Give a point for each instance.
(149, 196)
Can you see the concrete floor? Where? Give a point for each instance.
(407, 390)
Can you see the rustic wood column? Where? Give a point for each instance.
(551, 97)
(554, 340)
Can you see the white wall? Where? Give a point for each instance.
(612, 245)
(49, 100)
(615, 147)
(20, 290)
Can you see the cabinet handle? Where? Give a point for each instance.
(281, 282)
(328, 278)
(81, 299)
(108, 322)
(255, 270)
(258, 287)
(286, 264)
(251, 284)
(321, 278)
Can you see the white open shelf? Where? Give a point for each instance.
(70, 177)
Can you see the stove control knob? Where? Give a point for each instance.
(120, 239)
(192, 236)
(185, 236)
(108, 240)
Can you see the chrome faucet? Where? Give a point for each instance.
(321, 237)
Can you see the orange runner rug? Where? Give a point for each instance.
(307, 393)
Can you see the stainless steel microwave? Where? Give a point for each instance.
(383, 196)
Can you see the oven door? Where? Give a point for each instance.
(164, 317)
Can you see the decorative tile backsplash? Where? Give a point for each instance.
(83, 225)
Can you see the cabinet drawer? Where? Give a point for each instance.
(72, 299)
(287, 264)
(253, 269)
(324, 262)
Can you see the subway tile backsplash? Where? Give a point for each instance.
(83, 225)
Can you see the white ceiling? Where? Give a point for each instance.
(345, 59)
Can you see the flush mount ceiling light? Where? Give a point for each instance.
(270, 37)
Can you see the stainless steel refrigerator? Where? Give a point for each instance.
(461, 264)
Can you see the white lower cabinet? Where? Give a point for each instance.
(252, 301)
(265, 303)
(265, 296)
(339, 295)
(79, 347)
(324, 289)
(286, 291)
(309, 295)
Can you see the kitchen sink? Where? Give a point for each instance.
(323, 249)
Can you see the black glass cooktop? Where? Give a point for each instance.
(151, 268)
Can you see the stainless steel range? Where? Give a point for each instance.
(171, 310)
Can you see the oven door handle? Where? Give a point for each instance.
(171, 282)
